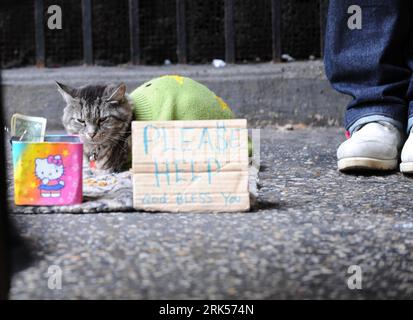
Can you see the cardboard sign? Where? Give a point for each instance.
(190, 166)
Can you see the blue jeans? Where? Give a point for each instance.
(373, 64)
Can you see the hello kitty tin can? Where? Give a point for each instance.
(48, 173)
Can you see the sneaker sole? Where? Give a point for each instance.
(360, 164)
(406, 167)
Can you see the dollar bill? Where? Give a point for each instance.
(27, 128)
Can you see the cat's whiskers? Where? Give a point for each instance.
(119, 141)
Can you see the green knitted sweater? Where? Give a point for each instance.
(174, 97)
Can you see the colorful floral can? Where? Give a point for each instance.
(48, 173)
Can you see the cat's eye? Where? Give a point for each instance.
(103, 119)
(80, 121)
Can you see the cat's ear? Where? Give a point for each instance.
(66, 92)
(116, 94)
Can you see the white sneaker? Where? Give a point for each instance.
(406, 166)
(374, 146)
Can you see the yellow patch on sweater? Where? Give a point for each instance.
(222, 103)
(177, 78)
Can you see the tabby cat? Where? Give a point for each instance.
(101, 115)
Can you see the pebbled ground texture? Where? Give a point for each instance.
(311, 225)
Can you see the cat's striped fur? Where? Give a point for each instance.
(101, 115)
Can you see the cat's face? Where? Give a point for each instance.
(98, 113)
(49, 168)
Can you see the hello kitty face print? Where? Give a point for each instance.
(50, 171)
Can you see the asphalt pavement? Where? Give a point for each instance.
(311, 225)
